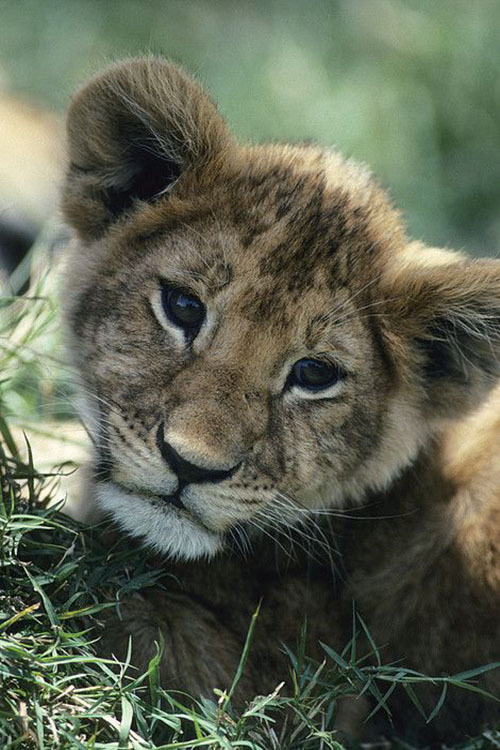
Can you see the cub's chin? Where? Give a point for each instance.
(167, 528)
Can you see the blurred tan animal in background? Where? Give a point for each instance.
(31, 164)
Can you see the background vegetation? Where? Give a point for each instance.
(409, 86)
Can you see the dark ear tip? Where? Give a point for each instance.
(132, 130)
(100, 95)
(142, 89)
(130, 77)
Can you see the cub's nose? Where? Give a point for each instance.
(186, 471)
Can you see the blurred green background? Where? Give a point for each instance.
(411, 87)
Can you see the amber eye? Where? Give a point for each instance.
(314, 374)
(183, 310)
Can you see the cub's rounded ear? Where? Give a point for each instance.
(448, 307)
(133, 132)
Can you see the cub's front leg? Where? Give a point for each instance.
(204, 619)
(200, 651)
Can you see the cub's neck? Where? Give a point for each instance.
(450, 496)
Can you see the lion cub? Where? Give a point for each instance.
(261, 344)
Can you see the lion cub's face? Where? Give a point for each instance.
(241, 319)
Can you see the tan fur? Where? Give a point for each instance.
(30, 160)
(31, 169)
(295, 253)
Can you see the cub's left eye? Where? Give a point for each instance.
(182, 309)
(314, 375)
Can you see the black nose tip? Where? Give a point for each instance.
(187, 472)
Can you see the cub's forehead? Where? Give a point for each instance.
(280, 224)
(305, 211)
(281, 227)
(276, 282)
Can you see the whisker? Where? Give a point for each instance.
(254, 522)
(285, 503)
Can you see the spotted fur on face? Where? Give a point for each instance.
(294, 254)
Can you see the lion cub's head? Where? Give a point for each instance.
(256, 336)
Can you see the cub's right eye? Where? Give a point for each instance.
(183, 309)
(314, 374)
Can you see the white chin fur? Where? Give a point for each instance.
(164, 528)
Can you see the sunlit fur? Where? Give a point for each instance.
(295, 253)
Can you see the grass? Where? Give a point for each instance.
(57, 576)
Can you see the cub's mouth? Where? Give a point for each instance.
(163, 522)
(174, 500)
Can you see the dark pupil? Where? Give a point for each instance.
(183, 309)
(313, 374)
